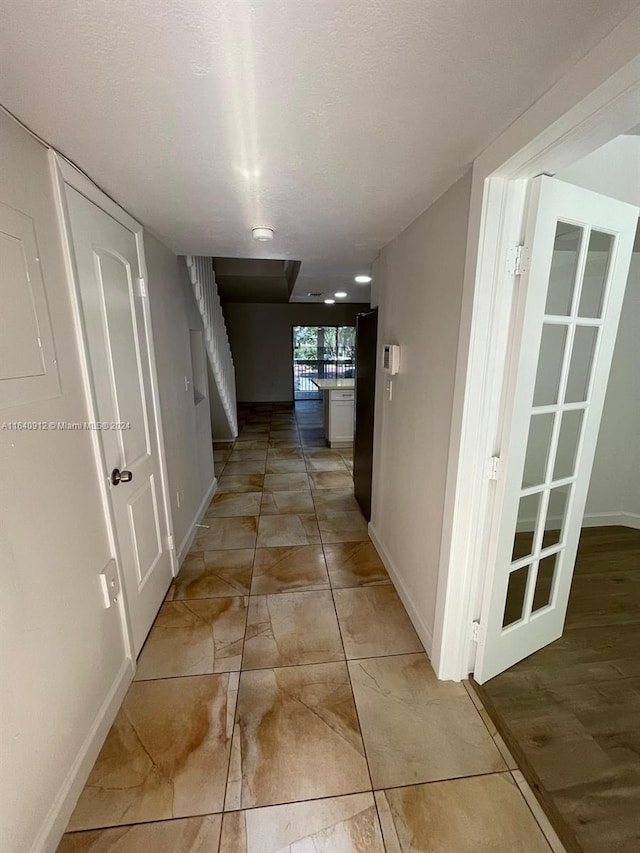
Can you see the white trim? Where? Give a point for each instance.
(186, 543)
(419, 624)
(611, 519)
(63, 805)
(594, 102)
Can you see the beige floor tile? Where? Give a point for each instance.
(287, 454)
(337, 825)
(286, 466)
(323, 453)
(286, 482)
(240, 483)
(336, 464)
(254, 430)
(258, 443)
(343, 527)
(509, 760)
(328, 501)
(194, 637)
(223, 534)
(282, 441)
(481, 814)
(292, 568)
(331, 480)
(249, 466)
(286, 503)
(279, 530)
(296, 737)
(185, 835)
(212, 574)
(165, 756)
(291, 628)
(354, 564)
(416, 728)
(251, 454)
(283, 432)
(229, 504)
(374, 622)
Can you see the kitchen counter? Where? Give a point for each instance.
(338, 396)
(334, 384)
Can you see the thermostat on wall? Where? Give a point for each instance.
(391, 358)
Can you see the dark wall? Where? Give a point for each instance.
(261, 343)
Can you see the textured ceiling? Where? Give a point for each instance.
(336, 122)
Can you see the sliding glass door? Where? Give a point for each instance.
(321, 352)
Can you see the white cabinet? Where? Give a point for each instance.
(338, 417)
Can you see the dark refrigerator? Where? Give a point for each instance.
(366, 351)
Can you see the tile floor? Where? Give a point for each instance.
(283, 701)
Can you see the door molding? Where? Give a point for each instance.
(64, 173)
(596, 101)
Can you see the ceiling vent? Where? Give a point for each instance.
(317, 295)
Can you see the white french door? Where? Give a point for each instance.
(565, 325)
(118, 339)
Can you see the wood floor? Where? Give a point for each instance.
(571, 712)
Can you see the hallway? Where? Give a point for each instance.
(283, 701)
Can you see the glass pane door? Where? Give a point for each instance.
(569, 308)
(321, 352)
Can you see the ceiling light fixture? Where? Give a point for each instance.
(329, 301)
(340, 294)
(363, 279)
(262, 234)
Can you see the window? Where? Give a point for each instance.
(321, 352)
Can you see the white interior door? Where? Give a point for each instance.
(568, 308)
(108, 268)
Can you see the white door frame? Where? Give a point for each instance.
(598, 100)
(65, 173)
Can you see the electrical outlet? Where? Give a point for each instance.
(109, 584)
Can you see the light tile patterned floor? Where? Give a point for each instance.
(283, 700)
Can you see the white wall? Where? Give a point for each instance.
(418, 289)
(261, 343)
(186, 425)
(614, 489)
(64, 664)
(62, 652)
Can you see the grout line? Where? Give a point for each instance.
(282, 666)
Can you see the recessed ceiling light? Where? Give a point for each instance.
(363, 279)
(340, 294)
(262, 234)
(329, 301)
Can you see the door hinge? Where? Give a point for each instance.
(475, 631)
(170, 545)
(517, 260)
(494, 468)
(142, 287)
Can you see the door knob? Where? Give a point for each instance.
(118, 476)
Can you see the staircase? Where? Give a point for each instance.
(222, 377)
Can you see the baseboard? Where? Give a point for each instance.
(608, 519)
(57, 819)
(186, 543)
(631, 519)
(422, 630)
